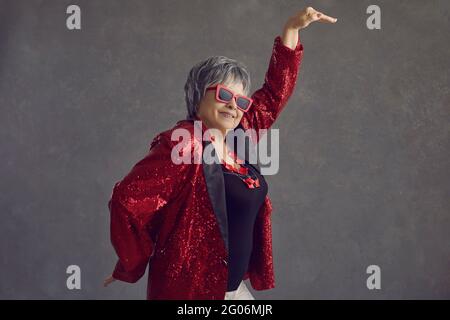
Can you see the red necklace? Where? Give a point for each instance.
(243, 172)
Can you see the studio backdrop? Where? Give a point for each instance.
(360, 200)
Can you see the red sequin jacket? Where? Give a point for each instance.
(172, 217)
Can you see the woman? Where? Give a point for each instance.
(203, 227)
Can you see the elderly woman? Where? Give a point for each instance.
(203, 228)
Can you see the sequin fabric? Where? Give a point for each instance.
(162, 214)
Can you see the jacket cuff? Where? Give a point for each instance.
(121, 274)
(287, 52)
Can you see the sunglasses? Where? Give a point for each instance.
(223, 94)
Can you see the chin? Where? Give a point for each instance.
(225, 124)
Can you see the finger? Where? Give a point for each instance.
(324, 18)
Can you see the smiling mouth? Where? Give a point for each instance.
(227, 115)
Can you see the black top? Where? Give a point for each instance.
(243, 205)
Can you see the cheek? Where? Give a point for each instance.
(239, 116)
(216, 106)
(209, 108)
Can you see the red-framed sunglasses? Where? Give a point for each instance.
(224, 94)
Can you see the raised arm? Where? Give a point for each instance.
(279, 83)
(281, 76)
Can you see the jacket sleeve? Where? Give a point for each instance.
(279, 83)
(151, 184)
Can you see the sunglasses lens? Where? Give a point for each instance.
(243, 103)
(225, 95)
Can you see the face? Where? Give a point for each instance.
(219, 115)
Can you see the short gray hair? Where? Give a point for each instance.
(214, 70)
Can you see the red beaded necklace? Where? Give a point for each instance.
(250, 180)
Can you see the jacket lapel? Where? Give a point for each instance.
(216, 185)
(216, 191)
(249, 148)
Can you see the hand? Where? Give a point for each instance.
(304, 17)
(108, 280)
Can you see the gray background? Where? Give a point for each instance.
(364, 172)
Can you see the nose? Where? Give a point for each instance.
(232, 104)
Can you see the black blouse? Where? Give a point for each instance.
(243, 205)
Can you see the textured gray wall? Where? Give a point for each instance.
(364, 176)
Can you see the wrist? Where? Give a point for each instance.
(290, 37)
(290, 25)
